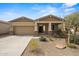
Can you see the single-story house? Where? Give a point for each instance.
(4, 27)
(43, 25)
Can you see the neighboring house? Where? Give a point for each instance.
(44, 25)
(4, 27)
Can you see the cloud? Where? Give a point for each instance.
(69, 9)
(45, 10)
(66, 5)
(48, 10)
(9, 13)
(36, 7)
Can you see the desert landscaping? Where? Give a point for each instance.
(36, 47)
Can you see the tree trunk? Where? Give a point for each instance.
(68, 37)
(75, 29)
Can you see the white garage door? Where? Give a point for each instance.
(24, 30)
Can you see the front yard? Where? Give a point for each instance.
(48, 48)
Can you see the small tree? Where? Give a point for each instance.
(72, 22)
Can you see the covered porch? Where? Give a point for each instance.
(47, 27)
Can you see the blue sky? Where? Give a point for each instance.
(9, 11)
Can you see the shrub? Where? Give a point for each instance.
(76, 39)
(42, 38)
(59, 33)
(71, 46)
(34, 47)
(50, 38)
(34, 44)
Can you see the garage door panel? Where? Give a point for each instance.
(24, 30)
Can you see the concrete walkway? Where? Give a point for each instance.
(13, 45)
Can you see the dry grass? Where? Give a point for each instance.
(34, 44)
(33, 48)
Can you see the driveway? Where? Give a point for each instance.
(13, 45)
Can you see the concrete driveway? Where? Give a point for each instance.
(13, 45)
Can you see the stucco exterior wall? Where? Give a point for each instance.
(22, 23)
(4, 27)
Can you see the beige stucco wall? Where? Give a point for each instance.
(23, 24)
(4, 27)
(62, 26)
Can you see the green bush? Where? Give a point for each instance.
(50, 38)
(71, 46)
(77, 41)
(61, 34)
(71, 38)
(74, 39)
(42, 38)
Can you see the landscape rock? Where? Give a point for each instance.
(60, 46)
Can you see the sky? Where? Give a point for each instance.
(10, 11)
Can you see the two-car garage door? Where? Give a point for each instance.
(23, 30)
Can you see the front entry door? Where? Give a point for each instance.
(40, 29)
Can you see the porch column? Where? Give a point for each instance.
(36, 29)
(49, 29)
(63, 26)
(44, 28)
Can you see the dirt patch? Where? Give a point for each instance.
(48, 49)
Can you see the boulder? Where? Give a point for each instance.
(60, 46)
